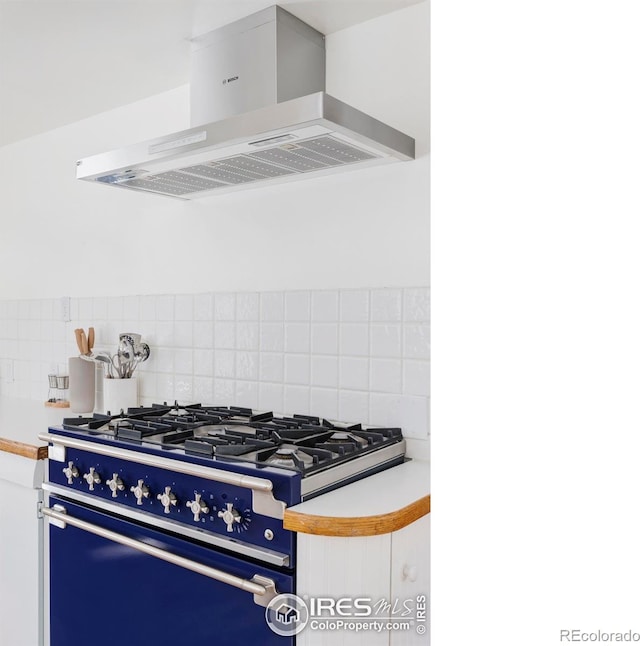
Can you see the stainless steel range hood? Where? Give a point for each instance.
(260, 116)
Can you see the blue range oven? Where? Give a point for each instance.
(165, 525)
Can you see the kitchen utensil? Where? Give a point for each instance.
(126, 352)
(78, 333)
(84, 341)
(144, 351)
(103, 358)
(122, 364)
(133, 337)
(141, 354)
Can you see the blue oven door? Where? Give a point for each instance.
(113, 581)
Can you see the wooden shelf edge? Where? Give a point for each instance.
(25, 450)
(357, 526)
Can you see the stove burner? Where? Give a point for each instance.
(283, 457)
(338, 438)
(119, 423)
(300, 458)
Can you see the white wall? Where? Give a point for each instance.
(366, 228)
(178, 272)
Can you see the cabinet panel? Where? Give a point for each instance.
(343, 567)
(20, 570)
(410, 577)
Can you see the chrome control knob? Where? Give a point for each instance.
(198, 506)
(140, 491)
(93, 477)
(167, 499)
(71, 472)
(230, 515)
(115, 484)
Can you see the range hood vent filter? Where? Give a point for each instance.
(288, 159)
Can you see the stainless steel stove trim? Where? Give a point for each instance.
(263, 589)
(339, 473)
(262, 489)
(233, 545)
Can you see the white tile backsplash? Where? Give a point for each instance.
(354, 305)
(224, 336)
(324, 306)
(225, 364)
(358, 355)
(248, 307)
(354, 373)
(148, 308)
(225, 307)
(386, 375)
(247, 335)
(354, 339)
(296, 369)
(324, 371)
(183, 361)
(272, 306)
(324, 338)
(183, 305)
(247, 394)
(202, 334)
(271, 366)
(353, 406)
(416, 304)
(202, 388)
(247, 366)
(297, 306)
(165, 308)
(203, 307)
(296, 337)
(271, 396)
(386, 305)
(324, 402)
(202, 362)
(271, 337)
(416, 377)
(296, 398)
(183, 334)
(386, 340)
(224, 389)
(416, 341)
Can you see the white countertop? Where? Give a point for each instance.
(382, 493)
(22, 419)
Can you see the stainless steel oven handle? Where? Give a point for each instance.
(263, 501)
(263, 588)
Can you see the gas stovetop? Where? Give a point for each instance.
(223, 475)
(301, 443)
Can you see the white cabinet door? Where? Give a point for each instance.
(410, 577)
(394, 568)
(20, 537)
(343, 568)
